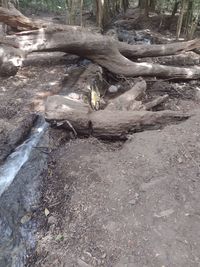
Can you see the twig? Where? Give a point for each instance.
(159, 100)
(71, 126)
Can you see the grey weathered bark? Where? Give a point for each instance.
(106, 124)
(103, 50)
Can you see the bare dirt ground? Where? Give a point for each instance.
(131, 204)
(135, 205)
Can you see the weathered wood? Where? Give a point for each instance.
(63, 109)
(99, 49)
(78, 117)
(159, 100)
(140, 51)
(118, 124)
(105, 51)
(17, 20)
(10, 60)
(128, 100)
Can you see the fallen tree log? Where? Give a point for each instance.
(15, 19)
(104, 50)
(98, 49)
(118, 124)
(140, 51)
(130, 99)
(107, 124)
(156, 102)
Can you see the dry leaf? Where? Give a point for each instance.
(46, 212)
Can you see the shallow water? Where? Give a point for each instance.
(17, 159)
(20, 181)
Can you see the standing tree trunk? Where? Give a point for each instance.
(194, 25)
(124, 4)
(144, 5)
(175, 8)
(189, 17)
(102, 13)
(72, 6)
(81, 13)
(180, 19)
(4, 4)
(152, 5)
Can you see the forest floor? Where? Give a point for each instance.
(113, 204)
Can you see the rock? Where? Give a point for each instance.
(164, 213)
(180, 160)
(26, 218)
(113, 89)
(132, 202)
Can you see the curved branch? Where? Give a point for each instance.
(16, 19)
(135, 51)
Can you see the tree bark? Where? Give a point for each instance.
(180, 19)
(78, 118)
(17, 20)
(103, 50)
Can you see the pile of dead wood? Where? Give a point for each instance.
(121, 116)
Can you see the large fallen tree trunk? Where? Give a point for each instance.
(16, 19)
(107, 124)
(123, 115)
(104, 50)
(97, 48)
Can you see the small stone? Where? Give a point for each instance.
(180, 160)
(66, 187)
(132, 202)
(113, 89)
(104, 256)
(164, 213)
(26, 218)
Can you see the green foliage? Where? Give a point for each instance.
(43, 5)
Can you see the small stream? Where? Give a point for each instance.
(20, 180)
